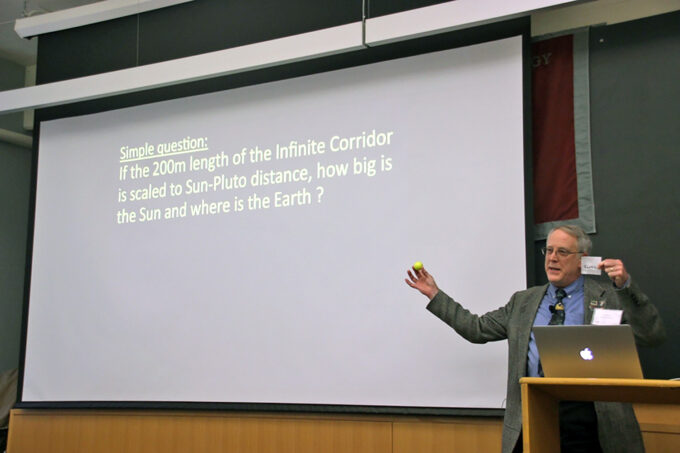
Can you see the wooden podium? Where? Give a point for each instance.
(540, 398)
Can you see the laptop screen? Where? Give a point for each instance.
(588, 351)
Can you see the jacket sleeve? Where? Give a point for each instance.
(492, 326)
(642, 316)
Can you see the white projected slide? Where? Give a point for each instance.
(250, 246)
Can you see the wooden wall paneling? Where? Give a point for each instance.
(58, 431)
(128, 431)
(463, 435)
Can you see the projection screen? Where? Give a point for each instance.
(251, 245)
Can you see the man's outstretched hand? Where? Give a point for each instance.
(422, 281)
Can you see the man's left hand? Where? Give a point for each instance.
(615, 270)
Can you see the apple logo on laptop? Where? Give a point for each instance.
(586, 354)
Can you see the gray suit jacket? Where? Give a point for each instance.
(618, 428)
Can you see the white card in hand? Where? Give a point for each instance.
(589, 265)
(606, 317)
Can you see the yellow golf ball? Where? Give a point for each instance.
(417, 265)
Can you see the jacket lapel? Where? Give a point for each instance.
(530, 308)
(594, 296)
(527, 315)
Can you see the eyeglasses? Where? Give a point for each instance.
(562, 253)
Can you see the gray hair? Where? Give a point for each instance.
(584, 242)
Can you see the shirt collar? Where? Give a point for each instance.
(570, 289)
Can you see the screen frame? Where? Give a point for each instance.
(451, 40)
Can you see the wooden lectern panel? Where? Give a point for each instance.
(660, 426)
(541, 396)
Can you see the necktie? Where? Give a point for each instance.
(557, 310)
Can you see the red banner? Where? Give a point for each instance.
(555, 183)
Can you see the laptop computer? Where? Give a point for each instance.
(588, 351)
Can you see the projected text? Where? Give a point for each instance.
(186, 174)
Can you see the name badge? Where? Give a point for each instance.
(606, 317)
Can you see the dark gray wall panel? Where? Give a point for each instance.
(87, 50)
(209, 25)
(378, 8)
(635, 67)
(635, 119)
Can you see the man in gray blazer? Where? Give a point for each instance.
(584, 427)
